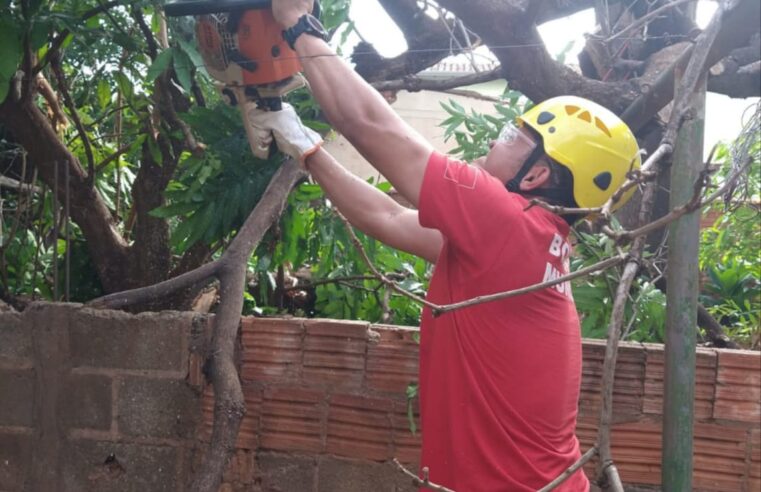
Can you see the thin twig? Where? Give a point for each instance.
(602, 265)
(108, 160)
(591, 453)
(55, 64)
(694, 204)
(421, 482)
(645, 19)
(663, 150)
(58, 40)
(393, 285)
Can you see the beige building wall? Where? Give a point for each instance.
(422, 110)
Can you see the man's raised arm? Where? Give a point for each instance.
(357, 110)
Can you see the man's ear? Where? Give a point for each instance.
(537, 176)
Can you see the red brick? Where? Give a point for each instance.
(636, 448)
(334, 353)
(271, 348)
(196, 377)
(392, 362)
(338, 329)
(705, 377)
(292, 419)
(718, 457)
(406, 444)
(738, 386)
(628, 387)
(249, 427)
(754, 463)
(359, 427)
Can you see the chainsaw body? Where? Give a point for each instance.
(243, 49)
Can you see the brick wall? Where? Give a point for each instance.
(100, 400)
(96, 400)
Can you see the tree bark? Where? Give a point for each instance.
(33, 132)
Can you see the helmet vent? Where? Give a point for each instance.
(545, 117)
(571, 109)
(603, 180)
(602, 126)
(586, 116)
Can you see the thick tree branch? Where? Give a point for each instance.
(526, 64)
(34, 133)
(743, 82)
(428, 40)
(417, 83)
(737, 24)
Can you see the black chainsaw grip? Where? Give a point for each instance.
(179, 8)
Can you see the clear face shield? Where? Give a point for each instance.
(520, 144)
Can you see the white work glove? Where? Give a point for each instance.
(292, 137)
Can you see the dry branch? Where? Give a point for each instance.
(591, 453)
(740, 22)
(421, 482)
(387, 281)
(645, 19)
(414, 84)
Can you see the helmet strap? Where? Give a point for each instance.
(514, 185)
(559, 195)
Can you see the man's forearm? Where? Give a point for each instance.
(347, 100)
(360, 202)
(372, 211)
(361, 114)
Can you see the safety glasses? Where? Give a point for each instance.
(521, 147)
(511, 135)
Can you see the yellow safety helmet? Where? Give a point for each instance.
(592, 142)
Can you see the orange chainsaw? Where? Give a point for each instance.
(243, 49)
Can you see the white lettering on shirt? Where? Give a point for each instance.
(559, 248)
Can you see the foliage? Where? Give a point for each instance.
(644, 317)
(730, 259)
(312, 239)
(212, 194)
(473, 131)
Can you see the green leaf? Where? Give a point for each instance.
(159, 65)
(172, 210)
(125, 85)
(38, 36)
(193, 53)
(10, 54)
(153, 147)
(183, 67)
(104, 93)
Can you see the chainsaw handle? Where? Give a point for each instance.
(180, 8)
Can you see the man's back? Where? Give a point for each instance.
(499, 381)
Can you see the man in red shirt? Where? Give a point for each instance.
(499, 382)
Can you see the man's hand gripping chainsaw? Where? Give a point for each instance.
(243, 49)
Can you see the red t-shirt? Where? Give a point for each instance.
(499, 382)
